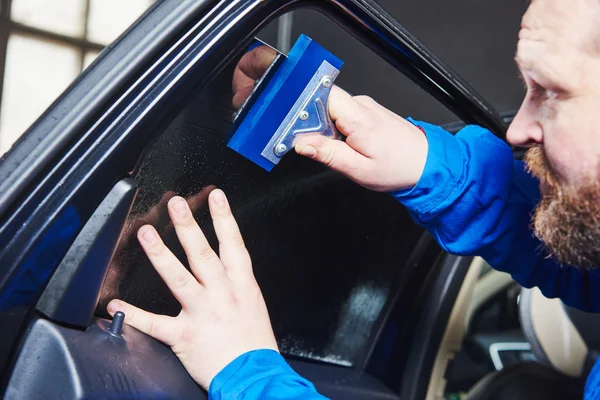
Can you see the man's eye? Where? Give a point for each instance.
(538, 92)
(537, 89)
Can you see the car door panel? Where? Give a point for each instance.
(58, 362)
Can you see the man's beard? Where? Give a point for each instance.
(567, 218)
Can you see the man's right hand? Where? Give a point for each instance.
(382, 151)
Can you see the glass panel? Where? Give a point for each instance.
(110, 18)
(61, 16)
(36, 73)
(327, 253)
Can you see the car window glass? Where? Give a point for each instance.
(327, 253)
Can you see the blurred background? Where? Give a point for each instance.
(45, 44)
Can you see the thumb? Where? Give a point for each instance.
(335, 154)
(348, 114)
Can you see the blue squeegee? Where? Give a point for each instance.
(288, 102)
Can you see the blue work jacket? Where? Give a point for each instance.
(475, 200)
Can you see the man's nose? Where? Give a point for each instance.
(524, 131)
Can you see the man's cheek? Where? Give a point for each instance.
(572, 144)
(557, 157)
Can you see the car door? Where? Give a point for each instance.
(359, 295)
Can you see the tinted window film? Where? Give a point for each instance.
(327, 253)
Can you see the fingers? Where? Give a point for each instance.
(232, 250)
(348, 114)
(180, 281)
(240, 96)
(154, 216)
(335, 154)
(251, 67)
(204, 262)
(196, 202)
(160, 327)
(241, 80)
(255, 63)
(199, 200)
(156, 213)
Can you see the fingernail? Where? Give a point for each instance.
(148, 234)
(113, 307)
(308, 151)
(180, 207)
(219, 197)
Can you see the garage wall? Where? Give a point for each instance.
(44, 46)
(476, 38)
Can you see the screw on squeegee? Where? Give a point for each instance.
(304, 115)
(327, 81)
(280, 149)
(116, 327)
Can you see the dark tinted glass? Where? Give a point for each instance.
(327, 253)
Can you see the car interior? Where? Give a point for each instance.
(518, 343)
(363, 302)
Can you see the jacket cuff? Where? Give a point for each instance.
(254, 368)
(443, 168)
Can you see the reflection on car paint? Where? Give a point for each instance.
(25, 287)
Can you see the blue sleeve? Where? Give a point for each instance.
(261, 374)
(476, 200)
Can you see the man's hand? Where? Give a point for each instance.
(223, 312)
(382, 151)
(248, 70)
(156, 216)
